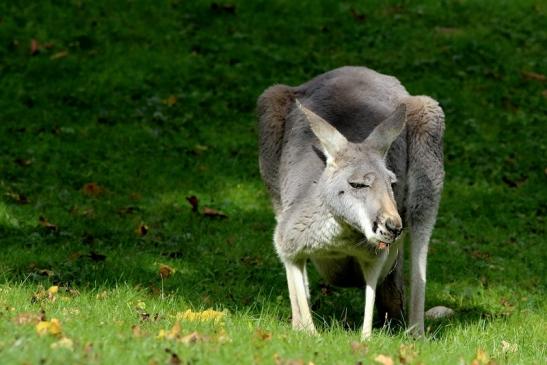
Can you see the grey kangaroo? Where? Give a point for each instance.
(349, 159)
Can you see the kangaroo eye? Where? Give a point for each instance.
(357, 185)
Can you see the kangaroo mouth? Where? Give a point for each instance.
(381, 245)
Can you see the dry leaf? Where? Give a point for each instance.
(192, 338)
(97, 257)
(170, 101)
(206, 315)
(166, 271)
(529, 75)
(136, 330)
(28, 318)
(263, 335)
(92, 189)
(508, 348)
(171, 334)
(407, 353)
(194, 202)
(213, 213)
(102, 295)
(280, 361)
(384, 359)
(58, 55)
(34, 46)
(48, 226)
(17, 197)
(41, 294)
(23, 162)
(481, 358)
(142, 230)
(359, 348)
(174, 359)
(63, 343)
(222, 336)
(52, 327)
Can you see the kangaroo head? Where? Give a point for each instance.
(356, 184)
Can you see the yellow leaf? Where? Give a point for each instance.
(53, 289)
(170, 101)
(206, 315)
(192, 338)
(52, 327)
(384, 359)
(171, 334)
(63, 343)
(407, 353)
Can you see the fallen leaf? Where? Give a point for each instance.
(359, 348)
(194, 202)
(34, 46)
(18, 197)
(529, 75)
(280, 361)
(481, 358)
(222, 336)
(41, 295)
(92, 189)
(508, 348)
(192, 338)
(136, 330)
(171, 334)
(52, 327)
(223, 8)
(166, 271)
(170, 101)
(63, 343)
(47, 225)
(128, 210)
(27, 318)
(199, 149)
(58, 55)
(23, 162)
(384, 359)
(206, 315)
(53, 289)
(213, 213)
(263, 335)
(407, 353)
(102, 295)
(142, 230)
(46, 272)
(97, 257)
(174, 359)
(358, 16)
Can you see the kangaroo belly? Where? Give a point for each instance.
(344, 272)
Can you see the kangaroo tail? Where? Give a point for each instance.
(272, 108)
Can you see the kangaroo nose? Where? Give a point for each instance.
(394, 226)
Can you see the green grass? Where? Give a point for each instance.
(91, 106)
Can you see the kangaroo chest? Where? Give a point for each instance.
(325, 237)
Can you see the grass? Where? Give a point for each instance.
(151, 102)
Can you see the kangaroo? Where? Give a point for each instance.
(349, 159)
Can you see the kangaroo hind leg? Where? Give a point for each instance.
(425, 128)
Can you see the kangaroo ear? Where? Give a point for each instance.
(387, 131)
(331, 140)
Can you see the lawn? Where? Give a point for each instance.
(114, 113)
